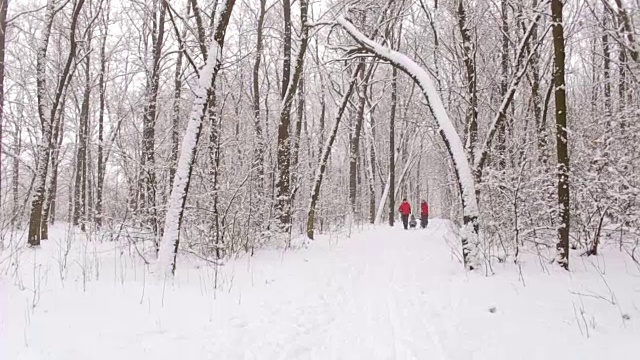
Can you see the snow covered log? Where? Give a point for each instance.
(175, 207)
(464, 176)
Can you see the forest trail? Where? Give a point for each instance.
(370, 296)
(381, 293)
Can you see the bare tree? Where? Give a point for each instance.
(44, 145)
(148, 161)
(283, 185)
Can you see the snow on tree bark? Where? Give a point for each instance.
(175, 208)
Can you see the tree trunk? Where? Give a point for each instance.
(372, 166)
(286, 48)
(317, 183)
(354, 146)
(392, 146)
(541, 138)
(300, 118)
(283, 185)
(214, 171)
(49, 208)
(3, 30)
(504, 68)
(16, 220)
(46, 120)
(80, 203)
(627, 28)
(149, 185)
(472, 93)
(259, 148)
(102, 89)
(177, 98)
(561, 134)
(606, 54)
(175, 207)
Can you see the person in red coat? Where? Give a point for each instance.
(424, 214)
(405, 211)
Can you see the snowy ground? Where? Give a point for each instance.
(380, 294)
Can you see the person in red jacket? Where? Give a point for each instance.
(424, 214)
(405, 211)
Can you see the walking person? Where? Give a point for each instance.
(405, 211)
(424, 214)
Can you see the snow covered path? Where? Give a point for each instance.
(367, 298)
(381, 294)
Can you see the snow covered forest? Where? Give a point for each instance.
(207, 131)
(227, 126)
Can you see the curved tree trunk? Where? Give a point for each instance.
(464, 177)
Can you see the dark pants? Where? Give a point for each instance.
(424, 221)
(405, 221)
